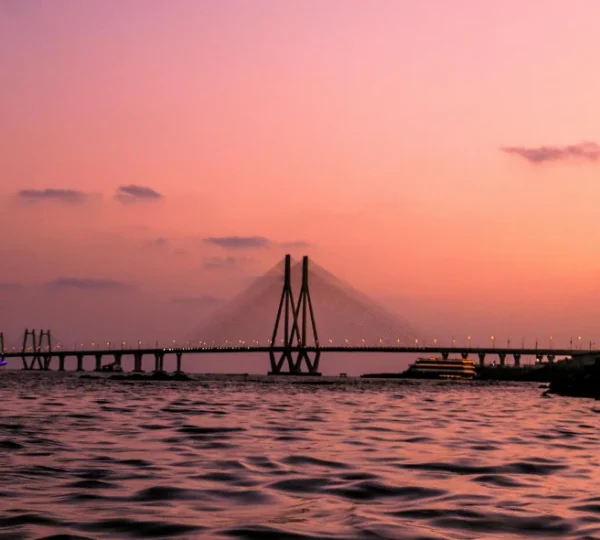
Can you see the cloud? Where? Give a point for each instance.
(238, 242)
(161, 241)
(225, 262)
(200, 301)
(132, 193)
(295, 245)
(586, 151)
(53, 194)
(90, 284)
(11, 286)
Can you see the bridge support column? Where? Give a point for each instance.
(158, 362)
(137, 363)
(178, 355)
(98, 362)
(502, 357)
(118, 357)
(445, 355)
(79, 362)
(464, 355)
(539, 358)
(47, 361)
(481, 356)
(551, 358)
(517, 359)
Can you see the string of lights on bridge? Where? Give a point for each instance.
(249, 344)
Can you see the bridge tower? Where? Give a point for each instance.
(36, 347)
(1, 343)
(294, 353)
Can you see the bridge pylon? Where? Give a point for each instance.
(36, 346)
(296, 329)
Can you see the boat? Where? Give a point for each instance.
(3, 363)
(113, 368)
(440, 368)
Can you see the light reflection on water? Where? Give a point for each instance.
(275, 459)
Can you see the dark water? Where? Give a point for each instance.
(234, 459)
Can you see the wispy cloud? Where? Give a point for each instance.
(200, 301)
(11, 286)
(53, 194)
(133, 193)
(159, 242)
(239, 242)
(224, 262)
(88, 284)
(295, 245)
(585, 151)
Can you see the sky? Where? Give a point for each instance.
(441, 157)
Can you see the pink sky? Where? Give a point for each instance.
(371, 131)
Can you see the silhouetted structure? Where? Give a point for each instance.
(44, 340)
(294, 347)
(295, 335)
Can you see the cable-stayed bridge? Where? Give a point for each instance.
(294, 313)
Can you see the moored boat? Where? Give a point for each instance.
(440, 368)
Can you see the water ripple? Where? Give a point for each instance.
(223, 458)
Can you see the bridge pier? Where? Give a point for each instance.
(79, 361)
(118, 357)
(550, 358)
(178, 355)
(158, 362)
(481, 356)
(464, 355)
(502, 357)
(47, 361)
(137, 363)
(445, 355)
(539, 358)
(517, 359)
(98, 362)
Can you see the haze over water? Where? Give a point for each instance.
(264, 458)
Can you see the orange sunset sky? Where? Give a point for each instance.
(441, 156)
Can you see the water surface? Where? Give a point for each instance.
(226, 458)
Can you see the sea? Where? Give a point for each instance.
(276, 458)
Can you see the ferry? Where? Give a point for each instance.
(438, 368)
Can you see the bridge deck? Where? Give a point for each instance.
(329, 349)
